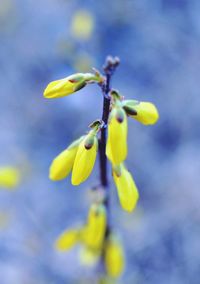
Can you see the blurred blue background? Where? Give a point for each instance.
(158, 43)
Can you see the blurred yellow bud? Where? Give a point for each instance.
(126, 188)
(67, 240)
(116, 147)
(85, 158)
(63, 163)
(9, 177)
(82, 25)
(114, 257)
(94, 231)
(144, 112)
(68, 85)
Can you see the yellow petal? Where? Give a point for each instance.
(63, 163)
(67, 240)
(58, 88)
(114, 258)
(116, 148)
(85, 159)
(146, 112)
(9, 177)
(126, 188)
(67, 86)
(94, 231)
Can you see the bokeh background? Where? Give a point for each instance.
(158, 43)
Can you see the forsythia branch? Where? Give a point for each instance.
(96, 235)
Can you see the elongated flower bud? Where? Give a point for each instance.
(67, 240)
(144, 112)
(85, 158)
(94, 231)
(63, 163)
(116, 148)
(68, 85)
(114, 257)
(126, 188)
(9, 177)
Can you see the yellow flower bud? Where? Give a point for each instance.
(85, 158)
(116, 148)
(94, 231)
(63, 163)
(126, 188)
(114, 258)
(67, 240)
(9, 177)
(144, 112)
(68, 85)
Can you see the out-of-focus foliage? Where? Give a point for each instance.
(158, 43)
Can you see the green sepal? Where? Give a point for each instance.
(130, 110)
(117, 169)
(130, 103)
(119, 115)
(80, 86)
(75, 78)
(97, 124)
(89, 142)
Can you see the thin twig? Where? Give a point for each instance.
(109, 68)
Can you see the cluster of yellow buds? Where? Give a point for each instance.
(79, 158)
(96, 236)
(91, 237)
(116, 148)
